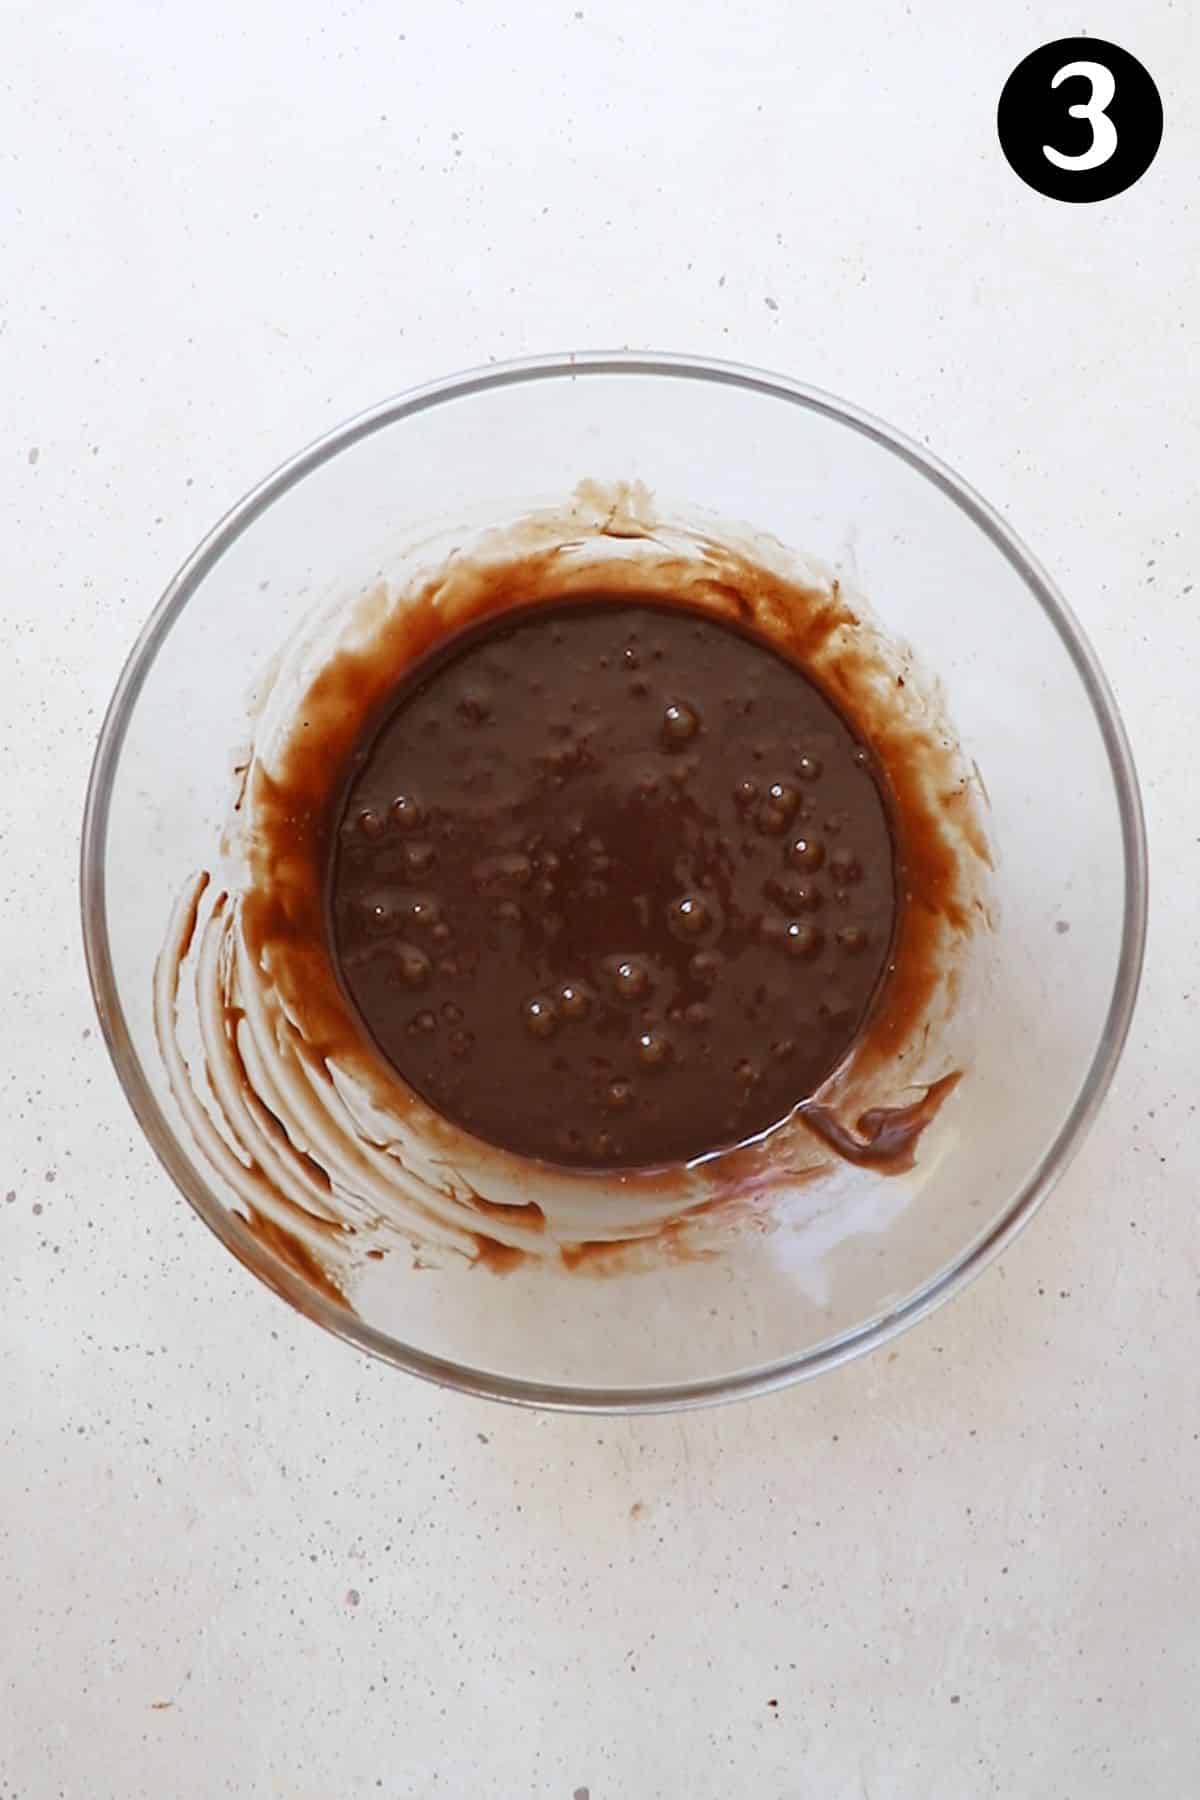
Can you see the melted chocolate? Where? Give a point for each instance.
(611, 884)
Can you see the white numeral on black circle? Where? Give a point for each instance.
(1104, 132)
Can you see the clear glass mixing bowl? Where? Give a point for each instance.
(846, 1270)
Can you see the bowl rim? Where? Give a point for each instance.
(232, 1231)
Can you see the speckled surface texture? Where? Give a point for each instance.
(235, 1558)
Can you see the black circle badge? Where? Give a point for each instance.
(1080, 119)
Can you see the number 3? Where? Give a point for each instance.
(1104, 132)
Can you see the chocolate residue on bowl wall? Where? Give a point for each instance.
(319, 1139)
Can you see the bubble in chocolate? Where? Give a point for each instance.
(801, 939)
(793, 894)
(540, 1016)
(425, 912)
(380, 915)
(745, 793)
(689, 915)
(680, 723)
(654, 1049)
(507, 912)
(783, 798)
(370, 823)
(773, 821)
(506, 873)
(630, 978)
(705, 966)
(620, 1095)
(412, 965)
(418, 859)
(574, 1000)
(845, 866)
(451, 1013)
(852, 938)
(806, 853)
(474, 707)
(808, 768)
(782, 1048)
(425, 1021)
(407, 813)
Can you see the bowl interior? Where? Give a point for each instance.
(848, 1260)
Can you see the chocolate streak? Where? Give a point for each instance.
(885, 1137)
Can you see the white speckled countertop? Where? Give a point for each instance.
(236, 1558)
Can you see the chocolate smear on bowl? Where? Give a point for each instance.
(589, 887)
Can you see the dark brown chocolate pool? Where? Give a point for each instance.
(611, 884)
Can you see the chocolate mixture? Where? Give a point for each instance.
(611, 884)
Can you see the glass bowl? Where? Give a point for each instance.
(837, 1267)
